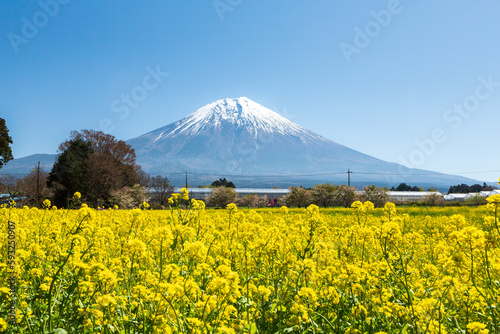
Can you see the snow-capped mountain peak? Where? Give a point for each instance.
(237, 114)
(241, 112)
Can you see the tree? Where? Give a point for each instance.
(345, 196)
(144, 178)
(463, 188)
(324, 194)
(377, 195)
(9, 185)
(298, 196)
(252, 201)
(69, 172)
(94, 164)
(222, 196)
(222, 182)
(34, 187)
(130, 197)
(5, 142)
(161, 189)
(433, 199)
(486, 187)
(459, 189)
(405, 187)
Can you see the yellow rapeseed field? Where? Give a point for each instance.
(191, 270)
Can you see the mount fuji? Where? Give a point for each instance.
(255, 146)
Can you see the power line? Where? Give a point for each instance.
(261, 175)
(434, 173)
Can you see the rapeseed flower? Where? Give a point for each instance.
(196, 269)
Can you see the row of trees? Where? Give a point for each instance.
(405, 187)
(325, 195)
(32, 190)
(464, 189)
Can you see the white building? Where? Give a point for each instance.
(494, 192)
(411, 196)
(455, 197)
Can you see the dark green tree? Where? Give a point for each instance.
(5, 142)
(405, 187)
(222, 182)
(68, 173)
(459, 189)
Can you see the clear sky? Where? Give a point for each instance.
(411, 81)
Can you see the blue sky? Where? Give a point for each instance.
(412, 82)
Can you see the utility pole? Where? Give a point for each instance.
(349, 177)
(38, 182)
(187, 187)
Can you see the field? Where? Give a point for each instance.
(358, 270)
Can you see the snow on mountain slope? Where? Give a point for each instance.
(242, 113)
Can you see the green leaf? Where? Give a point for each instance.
(59, 331)
(250, 328)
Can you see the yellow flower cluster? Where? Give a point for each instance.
(192, 270)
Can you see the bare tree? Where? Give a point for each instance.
(34, 187)
(9, 185)
(435, 199)
(144, 178)
(377, 195)
(345, 196)
(252, 201)
(161, 189)
(324, 194)
(298, 196)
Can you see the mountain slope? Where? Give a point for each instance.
(240, 137)
(23, 166)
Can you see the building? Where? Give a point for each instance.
(455, 197)
(411, 196)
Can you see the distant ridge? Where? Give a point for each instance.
(23, 166)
